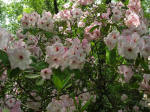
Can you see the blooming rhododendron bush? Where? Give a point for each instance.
(88, 57)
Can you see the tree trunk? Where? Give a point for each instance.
(55, 6)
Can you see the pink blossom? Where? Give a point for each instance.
(132, 20)
(81, 24)
(16, 107)
(111, 39)
(46, 73)
(117, 14)
(92, 35)
(126, 71)
(85, 2)
(134, 5)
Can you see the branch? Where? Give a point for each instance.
(108, 1)
(26, 91)
(55, 6)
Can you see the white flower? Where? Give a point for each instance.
(144, 46)
(46, 73)
(117, 14)
(124, 97)
(19, 57)
(55, 49)
(111, 39)
(10, 101)
(76, 12)
(126, 71)
(129, 51)
(127, 46)
(65, 104)
(81, 24)
(54, 54)
(142, 29)
(120, 110)
(132, 20)
(136, 108)
(46, 22)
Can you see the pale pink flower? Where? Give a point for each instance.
(10, 101)
(85, 2)
(126, 71)
(144, 46)
(25, 21)
(124, 97)
(117, 14)
(63, 105)
(46, 22)
(29, 20)
(128, 45)
(92, 35)
(46, 73)
(36, 51)
(81, 24)
(142, 28)
(20, 35)
(86, 46)
(136, 108)
(31, 40)
(76, 12)
(112, 39)
(120, 110)
(135, 5)
(16, 107)
(19, 57)
(54, 54)
(63, 15)
(106, 15)
(144, 85)
(3, 76)
(132, 20)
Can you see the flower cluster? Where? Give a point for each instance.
(65, 103)
(34, 20)
(11, 104)
(117, 11)
(48, 45)
(131, 41)
(92, 34)
(19, 55)
(145, 84)
(72, 55)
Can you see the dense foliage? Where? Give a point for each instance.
(75, 56)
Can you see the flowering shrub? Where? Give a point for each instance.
(87, 57)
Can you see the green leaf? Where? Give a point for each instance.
(111, 56)
(86, 105)
(144, 64)
(28, 10)
(93, 28)
(5, 110)
(66, 81)
(19, 17)
(32, 76)
(13, 73)
(4, 57)
(57, 82)
(39, 65)
(40, 82)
